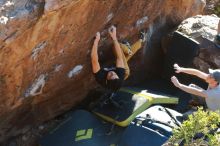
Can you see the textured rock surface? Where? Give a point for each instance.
(204, 30)
(16, 17)
(45, 47)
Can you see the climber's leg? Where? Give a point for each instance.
(124, 49)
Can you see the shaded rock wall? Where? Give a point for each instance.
(45, 50)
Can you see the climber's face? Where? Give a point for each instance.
(112, 75)
(211, 81)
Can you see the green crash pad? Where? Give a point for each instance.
(82, 128)
(131, 103)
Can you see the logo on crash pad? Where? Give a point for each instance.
(83, 134)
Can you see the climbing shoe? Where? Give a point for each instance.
(143, 35)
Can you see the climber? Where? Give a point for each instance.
(112, 78)
(211, 95)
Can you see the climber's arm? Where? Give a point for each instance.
(117, 49)
(94, 54)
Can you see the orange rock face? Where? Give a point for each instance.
(45, 48)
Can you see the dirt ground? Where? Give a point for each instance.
(32, 136)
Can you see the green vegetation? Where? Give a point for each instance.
(212, 7)
(198, 130)
(217, 9)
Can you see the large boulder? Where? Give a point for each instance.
(204, 29)
(45, 50)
